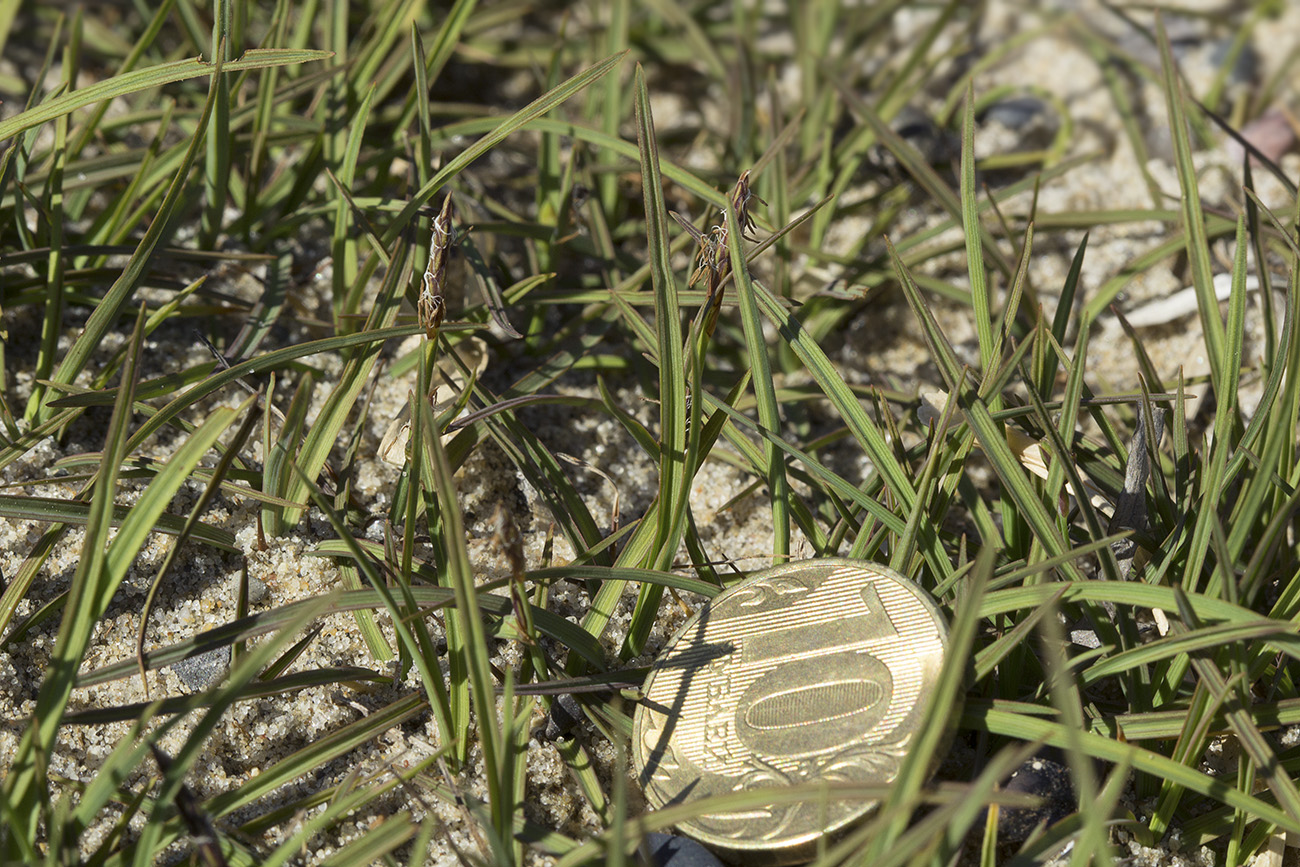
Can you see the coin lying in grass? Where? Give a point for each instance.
(449, 381)
(803, 673)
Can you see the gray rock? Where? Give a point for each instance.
(202, 671)
(1246, 66)
(565, 713)
(668, 850)
(1045, 779)
(917, 129)
(1016, 112)
(257, 590)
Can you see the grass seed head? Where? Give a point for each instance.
(741, 196)
(432, 305)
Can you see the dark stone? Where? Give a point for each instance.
(565, 713)
(667, 850)
(917, 129)
(1044, 779)
(1244, 69)
(1017, 112)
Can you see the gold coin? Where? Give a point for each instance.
(813, 671)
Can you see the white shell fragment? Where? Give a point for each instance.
(1183, 302)
(450, 381)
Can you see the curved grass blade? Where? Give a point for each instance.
(412, 634)
(119, 294)
(500, 131)
(769, 413)
(475, 649)
(343, 397)
(1197, 242)
(77, 513)
(100, 572)
(147, 79)
(164, 826)
(674, 478)
(1014, 725)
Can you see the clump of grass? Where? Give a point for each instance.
(1035, 500)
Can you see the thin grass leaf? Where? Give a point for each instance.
(450, 31)
(1226, 422)
(119, 294)
(343, 246)
(377, 843)
(216, 168)
(259, 688)
(414, 637)
(147, 79)
(192, 523)
(1007, 724)
(100, 574)
(378, 785)
(1197, 242)
(500, 130)
(544, 472)
(674, 475)
(320, 439)
(1260, 751)
(281, 447)
(832, 384)
(945, 699)
(686, 179)
(769, 414)
(460, 575)
(77, 513)
(981, 303)
(131, 750)
(1174, 244)
(923, 173)
(25, 784)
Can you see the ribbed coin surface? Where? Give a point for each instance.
(806, 672)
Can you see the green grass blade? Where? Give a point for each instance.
(769, 414)
(460, 575)
(412, 634)
(1197, 242)
(674, 479)
(500, 130)
(1226, 425)
(99, 577)
(945, 701)
(148, 79)
(320, 439)
(611, 100)
(981, 303)
(119, 294)
(343, 245)
(216, 168)
(77, 513)
(25, 784)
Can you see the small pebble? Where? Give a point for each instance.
(1042, 778)
(1245, 68)
(920, 131)
(202, 671)
(668, 850)
(1271, 133)
(1085, 638)
(257, 590)
(1016, 112)
(565, 713)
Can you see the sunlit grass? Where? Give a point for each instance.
(140, 184)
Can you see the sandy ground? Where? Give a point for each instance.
(881, 346)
